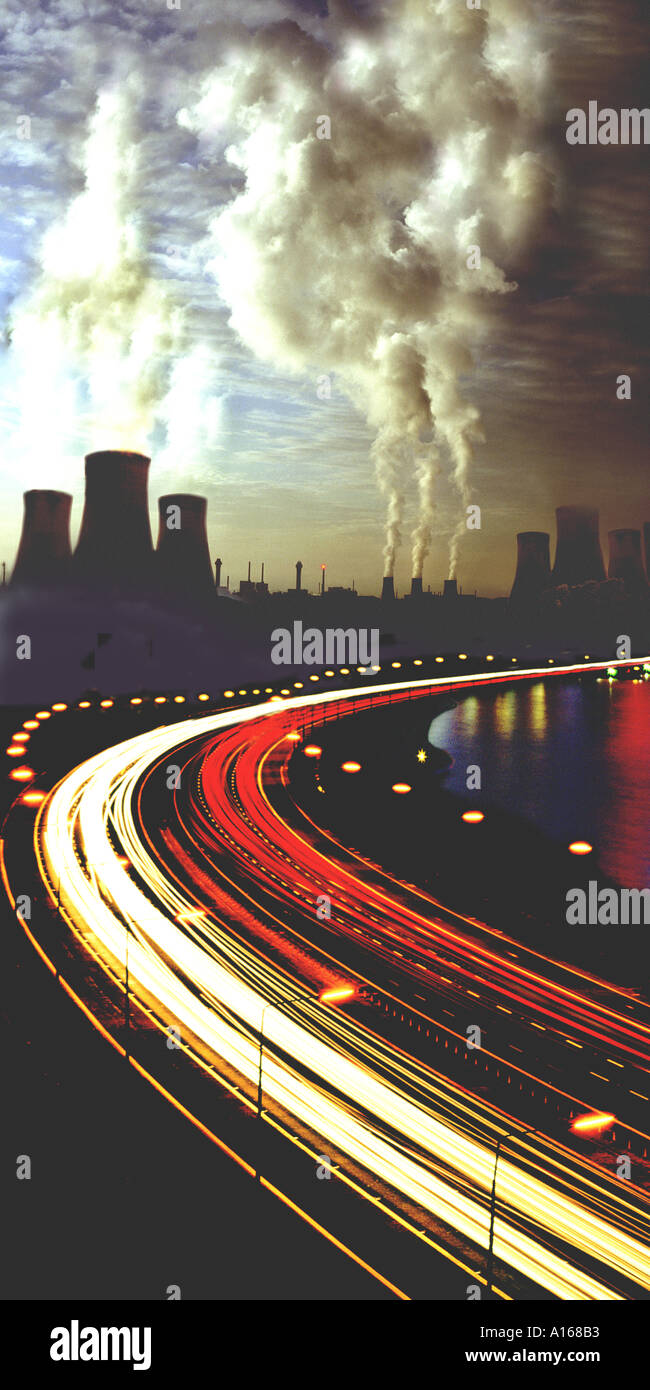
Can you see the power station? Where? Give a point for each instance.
(533, 573)
(578, 555)
(44, 552)
(114, 554)
(183, 565)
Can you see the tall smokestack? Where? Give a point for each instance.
(217, 573)
(626, 560)
(298, 576)
(114, 550)
(44, 551)
(577, 554)
(450, 589)
(416, 586)
(388, 587)
(183, 563)
(533, 566)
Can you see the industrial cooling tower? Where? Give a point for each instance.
(114, 551)
(44, 552)
(626, 559)
(416, 586)
(578, 556)
(533, 572)
(388, 587)
(183, 565)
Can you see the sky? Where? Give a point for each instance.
(241, 237)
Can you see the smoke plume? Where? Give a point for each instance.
(371, 163)
(96, 331)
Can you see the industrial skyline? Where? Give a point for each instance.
(114, 548)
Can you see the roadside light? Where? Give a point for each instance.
(351, 767)
(312, 750)
(580, 847)
(401, 788)
(22, 774)
(472, 817)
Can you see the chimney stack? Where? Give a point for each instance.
(183, 566)
(450, 589)
(577, 554)
(298, 576)
(533, 566)
(217, 573)
(44, 552)
(626, 560)
(114, 550)
(416, 586)
(388, 587)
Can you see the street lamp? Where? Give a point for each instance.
(336, 994)
(519, 1133)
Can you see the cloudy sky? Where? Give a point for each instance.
(241, 236)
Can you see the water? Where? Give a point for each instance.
(569, 756)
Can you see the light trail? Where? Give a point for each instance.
(217, 987)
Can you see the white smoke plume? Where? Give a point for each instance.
(96, 331)
(349, 253)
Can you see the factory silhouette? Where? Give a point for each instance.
(115, 553)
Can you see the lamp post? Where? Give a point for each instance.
(335, 995)
(519, 1133)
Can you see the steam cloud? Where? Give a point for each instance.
(349, 254)
(96, 326)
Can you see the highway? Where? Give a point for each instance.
(181, 848)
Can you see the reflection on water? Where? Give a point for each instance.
(570, 757)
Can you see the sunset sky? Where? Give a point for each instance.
(183, 261)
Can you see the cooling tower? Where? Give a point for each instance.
(626, 559)
(450, 589)
(533, 566)
(114, 550)
(577, 553)
(184, 569)
(44, 551)
(416, 586)
(388, 587)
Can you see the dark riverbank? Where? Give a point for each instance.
(506, 870)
